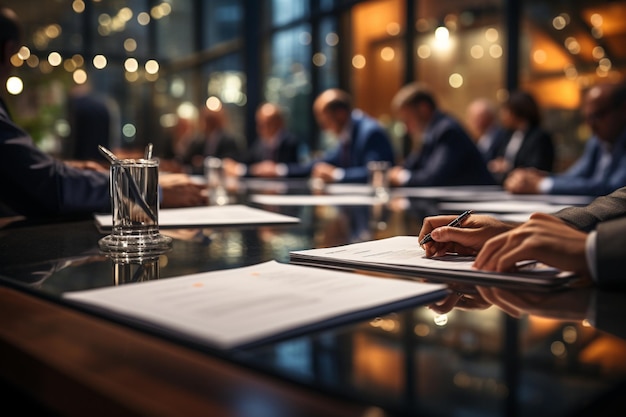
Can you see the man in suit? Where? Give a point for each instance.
(359, 140)
(601, 168)
(447, 155)
(588, 240)
(34, 184)
(483, 124)
(274, 143)
(212, 140)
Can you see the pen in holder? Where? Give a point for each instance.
(134, 186)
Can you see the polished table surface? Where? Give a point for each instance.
(532, 354)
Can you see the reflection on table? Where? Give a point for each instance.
(488, 353)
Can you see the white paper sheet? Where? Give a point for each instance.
(208, 216)
(235, 307)
(403, 255)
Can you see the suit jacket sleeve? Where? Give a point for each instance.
(537, 151)
(36, 184)
(607, 215)
(580, 179)
(376, 146)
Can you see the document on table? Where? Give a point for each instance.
(403, 255)
(239, 307)
(315, 200)
(209, 216)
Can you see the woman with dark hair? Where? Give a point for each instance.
(528, 144)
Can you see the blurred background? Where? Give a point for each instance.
(157, 63)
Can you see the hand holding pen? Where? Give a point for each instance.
(466, 236)
(454, 223)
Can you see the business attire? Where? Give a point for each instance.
(368, 141)
(94, 120)
(219, 144)
(34, 184)
(490, 142)
(607, 216)
(448, 156)
(285, 149)
(598, 171)
(533, 148)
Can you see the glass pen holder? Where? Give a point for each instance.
(378, 181)
(134, 187)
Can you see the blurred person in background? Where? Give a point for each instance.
(484, 126)
(446, 155)
(528, 145)
(274, 143)
(358, 139)
(94, 120)
(212, 139)
(601, 168)
(36, 185)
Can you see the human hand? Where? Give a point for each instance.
(564, 305)
(524, 181)
(88, 165)
(499, 165)
(231, 167)
(393, 176)
(462, 298)
(544, 238)
(465, 240)
(180, 191)
(264, 169)
(323, 171)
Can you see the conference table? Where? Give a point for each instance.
(523, 353)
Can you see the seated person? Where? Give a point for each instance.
(484, 126)
(36, 185)
(588, 240)
(602, 167)
(212, 140)
(274, 143)
(360, 139)
(528, 144)
(447, 155)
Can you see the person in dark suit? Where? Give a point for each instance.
(94, 120)
(36, 185)
(212, 140)
(590, 240)
(484, 126)
(359, 140)
(447, 155)
(601, 168)
(274, 143)
(528, 145)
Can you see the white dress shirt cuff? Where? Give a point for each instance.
(339, 174)
(281, 170)
(545, 185)
(404, 176)
(590, 254)
(242, 169)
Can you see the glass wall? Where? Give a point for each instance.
(155, 58)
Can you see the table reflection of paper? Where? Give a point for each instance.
(314, 200)
(359, 189)
(230, 308)
(485, 193)
(230, 215)
(508, 206)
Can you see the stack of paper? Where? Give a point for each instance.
(245, 306)
(403, 255)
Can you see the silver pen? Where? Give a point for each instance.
(454, 223)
